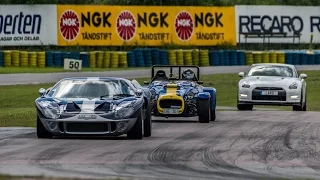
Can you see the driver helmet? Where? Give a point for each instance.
(188, 74)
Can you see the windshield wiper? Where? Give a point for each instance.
(117, 95)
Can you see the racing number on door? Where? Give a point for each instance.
(74, 65)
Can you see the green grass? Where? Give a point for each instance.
(17, 102)
(16, 70)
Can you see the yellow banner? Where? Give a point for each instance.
(145, 25)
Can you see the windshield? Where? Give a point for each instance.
(281, 71)
(91, 88)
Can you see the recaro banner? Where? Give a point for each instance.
(288, 23)
(145, 25)
(28, 25)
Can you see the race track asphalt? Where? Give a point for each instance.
(238, 145)
(12, 79)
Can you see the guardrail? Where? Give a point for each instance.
(146, 57)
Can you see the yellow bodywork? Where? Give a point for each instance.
(171, 93)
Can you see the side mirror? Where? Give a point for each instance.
(42, 92)
(303, 76)
(139, 93)
(241, 74)
(48, 90)
(146, 82)
(200, 82)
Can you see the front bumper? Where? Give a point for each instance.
(98, 126)
(285, 97)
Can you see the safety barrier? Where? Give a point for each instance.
(146, 57)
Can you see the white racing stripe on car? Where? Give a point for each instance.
(88, 106)
(93, 78)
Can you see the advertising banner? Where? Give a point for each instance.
(145, 25)
(283, 24)
(28, 25)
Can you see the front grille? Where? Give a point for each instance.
(268, 88)
(280, 97)
(168, 103)
(86, 127)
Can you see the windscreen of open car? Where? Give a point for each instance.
(282, 71)
(91, 88)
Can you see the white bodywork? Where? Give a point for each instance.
(266, 90)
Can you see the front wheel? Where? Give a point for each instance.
(245, 107)
(204, 111)
(137, 130)
(302, 106)
(41, 130)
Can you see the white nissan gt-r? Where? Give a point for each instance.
(272, 84)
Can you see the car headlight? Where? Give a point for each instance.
(293, 86)
(125, 109)
(245, 85)
(50, 109)
(190, 95)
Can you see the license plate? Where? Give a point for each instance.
(87, 116)
(269, 93)
(170, 111)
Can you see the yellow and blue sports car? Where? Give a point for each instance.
(181, 95)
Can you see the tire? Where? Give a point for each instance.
(244, 107)
(302, 106)
(41, 130)
(213, 113)
(204, 111)
(137, 130)
(148, 123)
(305, 104)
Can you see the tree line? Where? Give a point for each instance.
(170, 2)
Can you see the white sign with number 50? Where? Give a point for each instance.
(72, 64)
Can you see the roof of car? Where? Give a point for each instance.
(94, 78)
(275, 64)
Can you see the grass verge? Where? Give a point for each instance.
(17, 102)
(18, 70)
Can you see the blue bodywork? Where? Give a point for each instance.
(184, 88)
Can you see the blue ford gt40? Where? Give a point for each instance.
(181, 94)
(94, 106)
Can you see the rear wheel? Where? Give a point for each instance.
(137, 130)
(41, 130)
(204, 111)
(213, 113)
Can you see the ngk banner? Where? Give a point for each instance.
(286, 22)
(145, 25)
(28, 25)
